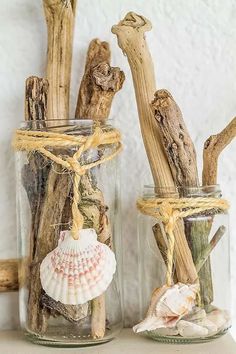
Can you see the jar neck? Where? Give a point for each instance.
(66, 126)
(150, 191)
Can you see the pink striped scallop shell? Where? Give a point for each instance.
(77, 271)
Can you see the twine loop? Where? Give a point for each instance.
(44, 142)
(170, 210)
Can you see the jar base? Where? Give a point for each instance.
(183, 340)
(68, 341)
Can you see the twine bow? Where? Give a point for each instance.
(169, 210)
(43, 142)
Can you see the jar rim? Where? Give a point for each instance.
(55, 124)
(70, 120)
(150, 190)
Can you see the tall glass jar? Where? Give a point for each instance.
(44, 195)
(187, 311)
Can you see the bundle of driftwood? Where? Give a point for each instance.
(171, 153)
(48, 188)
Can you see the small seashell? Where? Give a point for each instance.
(211, 327)
(191, 330)
(166, 331)
(220, 318)
(168, 305)
(77, 271)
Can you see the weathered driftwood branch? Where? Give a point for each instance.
(98, 87)
(176, 140)
(36, 92)
(35, 103)
(207, 251)
(9, 275)
(54, 186)
(181, 155)
(130, 32)
(213, 147)
(99, 83)
(60, 16)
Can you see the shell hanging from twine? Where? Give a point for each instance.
(168, 305)
(77, 271)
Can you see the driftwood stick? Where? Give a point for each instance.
(9, 275)
(57, 190)
(98, 87)
(131, 39)
(32, 177)
(36, 92)
(181, 155)
(213, 147)
(99, 83)
(60, 16)
(205, 255)
(176, 140)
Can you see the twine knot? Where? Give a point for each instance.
(76, 166)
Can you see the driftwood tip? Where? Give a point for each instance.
(107, 77)
(134, 21)
(161, 98)
(96, 42)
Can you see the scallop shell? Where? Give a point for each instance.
(77, 270)
(168, 305)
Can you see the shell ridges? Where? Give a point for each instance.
(77, 271)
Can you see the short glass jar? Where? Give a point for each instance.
(44, 201)
(173, 316)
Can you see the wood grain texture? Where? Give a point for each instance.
(60, 15)
(99, 84)
(181, 155)
(36, 93)
(131, 38)
(178, 145)
(213, 147)
(9, 275)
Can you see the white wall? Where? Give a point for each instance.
(193, 43)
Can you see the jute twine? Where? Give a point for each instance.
(169, 210)
(43, 142)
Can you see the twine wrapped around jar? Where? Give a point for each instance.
(42, 142)
(169, 210)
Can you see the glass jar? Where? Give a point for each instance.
(44, 201)
(188, 311)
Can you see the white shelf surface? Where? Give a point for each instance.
(13, 342)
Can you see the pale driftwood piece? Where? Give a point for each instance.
(60, 16)
(99, 83)
(213, 147)
(181, 155)
(206, 253)
(130, 32)
(98, 87)
(9, 275)
(98, 319)
(176, 140)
